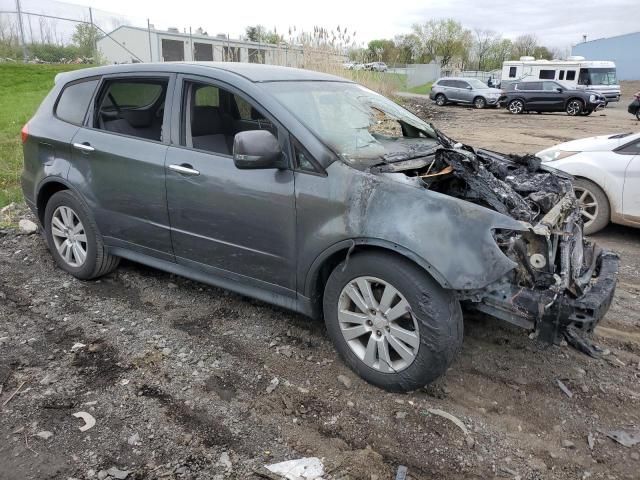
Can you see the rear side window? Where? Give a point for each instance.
(571, 74)
(530, 86)
(134, 94)
(547, 74)
(561, 75)
(74, 101)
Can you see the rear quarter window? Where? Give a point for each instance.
(74, 101)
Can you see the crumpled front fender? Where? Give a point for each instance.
(453, 236)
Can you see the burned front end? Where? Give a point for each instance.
(561, 284)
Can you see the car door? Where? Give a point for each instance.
(631, 190)
(553, 96)
(465, 91)
(118, 161)
(454, 91)
(535, 96)
(235, 224)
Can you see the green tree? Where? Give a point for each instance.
(383, 50)
(84, 37)
(258, 33)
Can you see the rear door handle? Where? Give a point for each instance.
(185, 169)
(85, 147)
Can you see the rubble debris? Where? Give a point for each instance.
(77, 346)
(117, 473)
(14, 393)
(628, 438)
(448, 416)
(89, 421)
(401, 474)
(568, 444)
(134, 440)
(581, 343)
(27, 226)
(275, 381)
(45, 434)
(564, 388)
(591, 441)
(345, 381)
(308, 468)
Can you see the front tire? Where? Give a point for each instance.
(479, 103)
(391, 322)
(596, 211)
(441, 100)
(73, 238)
(516, 106)
(574, 107)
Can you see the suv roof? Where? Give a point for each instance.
(251, 71)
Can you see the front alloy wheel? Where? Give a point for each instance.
(377, 324)
(391, 322)
(69, 236)
(574, 107)
(594, 205)
(516, 106)
(479, 103)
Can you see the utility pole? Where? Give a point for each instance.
(150, 49)
(25, 53)
(94, 45)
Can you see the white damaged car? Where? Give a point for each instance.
(607, 177)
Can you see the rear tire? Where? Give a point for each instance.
(479, 103)
(76, 245)
(441, 100)
(516, 106)
(574, 107)
(596, 211)
(407, 310)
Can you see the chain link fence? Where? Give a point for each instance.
(39, 31)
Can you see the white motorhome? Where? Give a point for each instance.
(574, 73)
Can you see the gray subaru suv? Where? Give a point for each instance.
(316, 194)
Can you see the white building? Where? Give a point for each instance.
(127, 44)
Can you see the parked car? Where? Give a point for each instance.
(348, 65)
(463, 90)
(607, 177)
(549, 96)
(313, 193)
(377, 67)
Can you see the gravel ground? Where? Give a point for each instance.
(188, 381)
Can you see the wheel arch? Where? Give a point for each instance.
(477, 97)
(47, 188)
(324, 264)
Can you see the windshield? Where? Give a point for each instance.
(355, 122)
(475, 83)
(597, 76)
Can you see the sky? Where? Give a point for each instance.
(556, 23)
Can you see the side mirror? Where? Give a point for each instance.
(257, 149)
(559, 90)
(469, 87)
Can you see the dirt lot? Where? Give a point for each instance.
(187, 381)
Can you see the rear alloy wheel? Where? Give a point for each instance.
(593, 204)
(391, 322)
(516, 106)
(479, 103)
(440, 100)
(574, 107)
(73, 237)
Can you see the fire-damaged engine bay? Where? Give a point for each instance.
(554, 265)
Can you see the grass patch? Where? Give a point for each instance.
(22, 88)
(421, 89)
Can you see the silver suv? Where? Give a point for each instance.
(464, 90)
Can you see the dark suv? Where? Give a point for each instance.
(313, 193)
(549, 96)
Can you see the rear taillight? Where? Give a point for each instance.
(25, 133)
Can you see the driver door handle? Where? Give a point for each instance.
(85, 147)
(184, 169)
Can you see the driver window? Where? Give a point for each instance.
(132, 107)
(212, 116)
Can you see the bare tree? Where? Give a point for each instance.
(446, 39)
(485, 41)
(524, 45)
